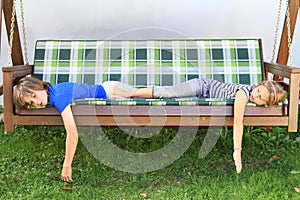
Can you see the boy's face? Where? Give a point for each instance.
(37, 98)
(260, 95)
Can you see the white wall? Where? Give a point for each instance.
(151, 19)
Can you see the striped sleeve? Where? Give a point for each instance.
(247, 90)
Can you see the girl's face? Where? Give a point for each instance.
(260, 95)
(37, 98)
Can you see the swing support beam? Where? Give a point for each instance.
(11, 76)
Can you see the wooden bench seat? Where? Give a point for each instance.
(146, 63)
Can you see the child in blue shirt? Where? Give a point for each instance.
(34, 92)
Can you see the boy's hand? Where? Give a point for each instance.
(237, 160)
(66, 174)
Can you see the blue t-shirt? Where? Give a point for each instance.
(62, 94)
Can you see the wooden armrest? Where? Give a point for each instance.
(281, 70)
(11, 76)
(19, 70)
(15, 72)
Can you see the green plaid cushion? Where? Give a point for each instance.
(144, 63)
(154, 102)
(159, 102)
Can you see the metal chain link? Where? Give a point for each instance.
(24, 33)
(288, 20)
(276, 31)
(12, 25)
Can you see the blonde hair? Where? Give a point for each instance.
(276, 91)
(25, 88)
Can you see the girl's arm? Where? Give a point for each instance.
(71, 143)
(239, 110)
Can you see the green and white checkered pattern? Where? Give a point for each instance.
(156, 102)
(142, 63)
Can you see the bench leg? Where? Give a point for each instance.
(7, 102)
(8, 118)
(8, 127)
(293, 103)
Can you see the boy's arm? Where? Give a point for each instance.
(71, 143)
(239, 110)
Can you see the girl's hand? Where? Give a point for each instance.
(66, 174)
(237, 156)
(240, 103)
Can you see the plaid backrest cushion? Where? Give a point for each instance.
(148, 62)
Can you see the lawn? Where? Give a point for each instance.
(31, 160)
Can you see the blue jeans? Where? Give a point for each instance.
(198, 87)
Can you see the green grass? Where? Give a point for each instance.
(31, 160)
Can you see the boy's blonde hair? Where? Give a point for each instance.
(25, 88)
(277, 96)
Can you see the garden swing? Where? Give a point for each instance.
(131, 61)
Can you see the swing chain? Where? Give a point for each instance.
(288, 20)
(12, 25)
(24, 33)
(288, 24)
(276, 32)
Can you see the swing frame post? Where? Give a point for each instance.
(16, 70)
(283, 57)
(17, 53)
(283, 51)
(6, 7)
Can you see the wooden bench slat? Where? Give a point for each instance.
(85, 110)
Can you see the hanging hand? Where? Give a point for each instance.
(66, 174)
(237, 156)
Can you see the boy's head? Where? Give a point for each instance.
(30, 91)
